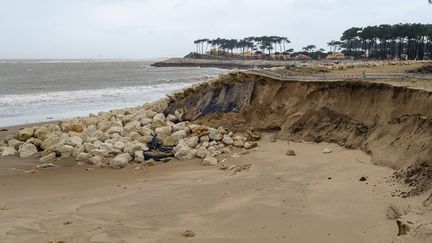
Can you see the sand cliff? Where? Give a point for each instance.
(391, 123)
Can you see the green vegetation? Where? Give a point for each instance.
(400, 41)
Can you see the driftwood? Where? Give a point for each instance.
(157, 155)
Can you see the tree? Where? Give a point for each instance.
(309, 48)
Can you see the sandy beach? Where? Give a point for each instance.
(313, 197)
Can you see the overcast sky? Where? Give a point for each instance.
(164, 28)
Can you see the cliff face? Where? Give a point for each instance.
(393, 124)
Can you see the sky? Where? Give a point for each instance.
(144, 29)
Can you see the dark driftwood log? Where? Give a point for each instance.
(157, 155)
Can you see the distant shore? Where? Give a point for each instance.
(225, 64)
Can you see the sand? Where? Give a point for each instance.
(279, 199)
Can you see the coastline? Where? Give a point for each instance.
(224, 64)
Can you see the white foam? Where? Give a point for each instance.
(29, 108)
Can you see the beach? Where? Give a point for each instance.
(313, 197)
(323, 169)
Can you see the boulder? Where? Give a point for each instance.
(106, 146)
(146, 121)
(74, 141)
(139, 156)
(27, 150)
(88, 147)
(96, 160)
(209, 161)
(77, 150)
(179, 114)
(179, 135)
(185, 153)
(50, 157)
(6, 151)
(25, 134)
(227, 140)
(169, 141)
(119, 145)
(120, 161)
(200, 130)
(35, 141)
(66, 151)
(42, 133)
(51, 141)
(191, 142)
(238, 143)
(182, 126)
(14, 143)
(202, 153)
(249, 145)
(100, 152)
(163, 132)
(83, 157)
(215, 134)
(171, 118)
(145, 131)
(115, 129)
(145, 139)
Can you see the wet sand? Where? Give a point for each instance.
(312, 197)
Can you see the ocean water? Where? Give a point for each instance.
(43, 90)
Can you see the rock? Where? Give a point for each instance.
(179, 135)
(169, 141)
(100, 152)
(171, 118)
(327, 151)
(227, 140)
(7, 151)
(88, 147)
(291, 152)
(145, 131)
(50, 157)
(182, 126)
(145, 139)
(106, 146)
(363, 178)
(120, 161)
(42, 133)
(146, 121)
(74, 141)
(83, 157)
(213, 143)
(200, 130)
(35, 141)
(50, 142)
(77, 150)
(215, 134)
(139, 156)
(204, 139)
(202, 153)
(14, 143)
(209, 161)
(119, 145)
(191, 142)
(238, 143)
(185, 153)
(115, 129)
(179, 114)
(248, 145)
(25, 134)
(188, 233)
(158, 121)
(27, 150)
(66, 151)
(163, 132)
(45, 166)
(96, 160)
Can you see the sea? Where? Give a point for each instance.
(34, 91)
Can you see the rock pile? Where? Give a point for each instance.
(118, 137)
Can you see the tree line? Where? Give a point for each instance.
(263, 44)
(399, 41)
